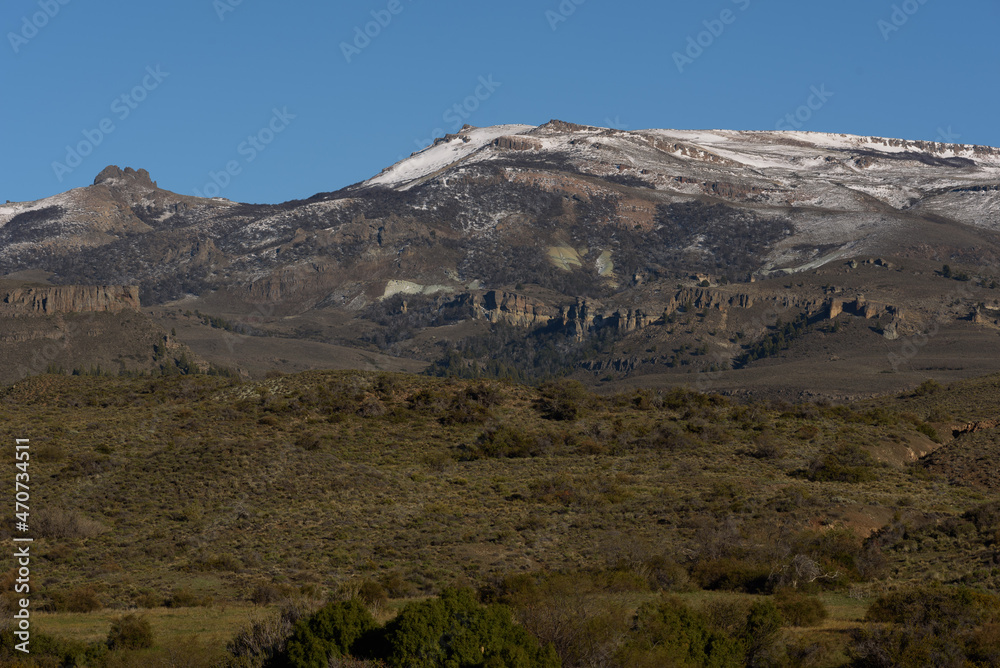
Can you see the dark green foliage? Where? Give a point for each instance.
(732, 574)
(668, 633)
(562, 400)
(46, 650)
(928, 431)
(456, 630)
(928, 387)
(848, 463)
(397, 323)
(759, 635)
(800, 609)
(774, 342)
(930, 626)
(130, 632)
(509, 353)
(333, 631)
(501, 442)
(451, 630)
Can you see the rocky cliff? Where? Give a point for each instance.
(47, 300)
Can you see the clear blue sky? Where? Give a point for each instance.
(225, 67)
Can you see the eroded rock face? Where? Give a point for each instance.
(513, 309)
(69, 299)
(114, 175)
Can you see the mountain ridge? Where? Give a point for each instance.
(526, 226)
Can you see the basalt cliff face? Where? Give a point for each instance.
(67, 299)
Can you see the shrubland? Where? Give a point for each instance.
(363, 518)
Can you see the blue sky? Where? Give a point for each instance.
(294, 98)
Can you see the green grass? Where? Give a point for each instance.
(214, 625)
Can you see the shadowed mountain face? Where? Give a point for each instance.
(584, 239)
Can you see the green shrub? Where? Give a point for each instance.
(939, 626)
(77, 599)
(185, 598)
(456, 630)
(373, 594)
(130, 632)
(799, 609)
(730, 574)
(761, 633)
(333, 631)
(668, 633)
(928, 431)
(502, 442)
(573, 612)
(848, 463)
(562, 400)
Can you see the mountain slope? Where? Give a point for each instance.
(574, 229)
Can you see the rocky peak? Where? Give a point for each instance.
(113, 175)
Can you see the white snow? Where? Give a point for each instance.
(9, 211)
(437, 157)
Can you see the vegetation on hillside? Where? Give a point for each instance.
(643, 528)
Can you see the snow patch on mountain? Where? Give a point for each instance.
(442, 154)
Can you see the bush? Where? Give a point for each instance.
(456, 630)
(668, 633)
(501, 443)
(334, 631)
(940, 626)
(78, 599)
(373, 594)
(263, 642)
(572, 612)
(799, 609)
(729, 574)
(760, 634)
(562, 400)
(184, 598)
(848, 463)
(65, 524)
(130, 632)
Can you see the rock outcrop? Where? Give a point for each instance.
(862, 308)
(114, 175)
(517, 143)
(68, 299)
(508, 307)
